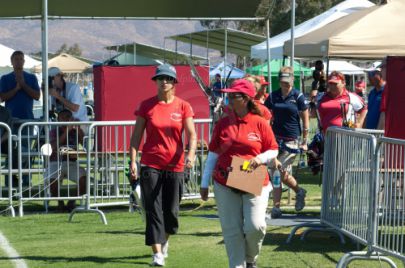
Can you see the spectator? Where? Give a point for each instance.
(374, 99)
(383, 105)
(319, 82)
(261, 89)
(66, 95)
(19, 89)
(360, 88)
(257, 83)
(162, 164)
(242, 215)
(217, 86)
(61, 166)
(337, 98)
(288, 107)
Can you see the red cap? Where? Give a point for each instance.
(336, 77)
(263, 81)
(241, 86)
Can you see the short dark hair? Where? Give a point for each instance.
(16, 53)
(65, 111)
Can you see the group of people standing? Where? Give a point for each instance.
(263, 129)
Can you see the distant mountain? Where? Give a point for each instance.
(92, 35)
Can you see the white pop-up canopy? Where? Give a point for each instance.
(344, 67)
(276, 43)
(372, 33)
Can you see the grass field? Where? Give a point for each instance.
(49, 240)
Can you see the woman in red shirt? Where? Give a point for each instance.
(164, 117)
(242, 133)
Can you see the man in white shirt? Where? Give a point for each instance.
(66, 95)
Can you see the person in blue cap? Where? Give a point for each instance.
(164, 117)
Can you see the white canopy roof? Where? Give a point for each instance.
(67, 63)
(336, 12)
(5, 55)
(372, 33)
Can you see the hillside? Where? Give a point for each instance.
(91, 35)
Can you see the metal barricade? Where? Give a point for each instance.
(39, 169)
(347, 182)
(388, 232)
(6, 189)
(108, 162)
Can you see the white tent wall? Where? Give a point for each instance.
(276, 43)
(344, 67)
(5, 55)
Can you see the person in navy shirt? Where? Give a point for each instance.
(19, 89)
(374, 99)
(288, 107)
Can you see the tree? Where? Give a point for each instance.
(74, 50)
(62, 49)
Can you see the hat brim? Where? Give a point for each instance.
(232, 90)
(265, 83)
(164, 74)
(286, 79)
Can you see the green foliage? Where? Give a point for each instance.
(73, 50)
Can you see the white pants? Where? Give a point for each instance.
(243, 223)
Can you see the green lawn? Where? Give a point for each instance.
(49, 240)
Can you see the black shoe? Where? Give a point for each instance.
(251, 265)
(71, 205)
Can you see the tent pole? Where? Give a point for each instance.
(225, 52)
(125, 51)
(45, 61)
(292, 33)
(135, 58)
(208, 38)
(268, 54)
(176, 45)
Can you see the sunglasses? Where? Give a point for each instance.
(235, 95)
(166, 78)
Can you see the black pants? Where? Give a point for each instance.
(161, 192)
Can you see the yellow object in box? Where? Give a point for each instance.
(245, 165)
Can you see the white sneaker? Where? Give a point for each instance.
(165, 249)
(158, 260)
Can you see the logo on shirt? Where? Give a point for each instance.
(253, 137)
(176, 117)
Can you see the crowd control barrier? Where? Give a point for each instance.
(6, 188)
(108, 158)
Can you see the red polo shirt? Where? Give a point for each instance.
(330, 111)
(243, 137)
(163, 148)
(263, 109)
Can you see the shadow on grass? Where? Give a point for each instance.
(90, 259)
(316, 242)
